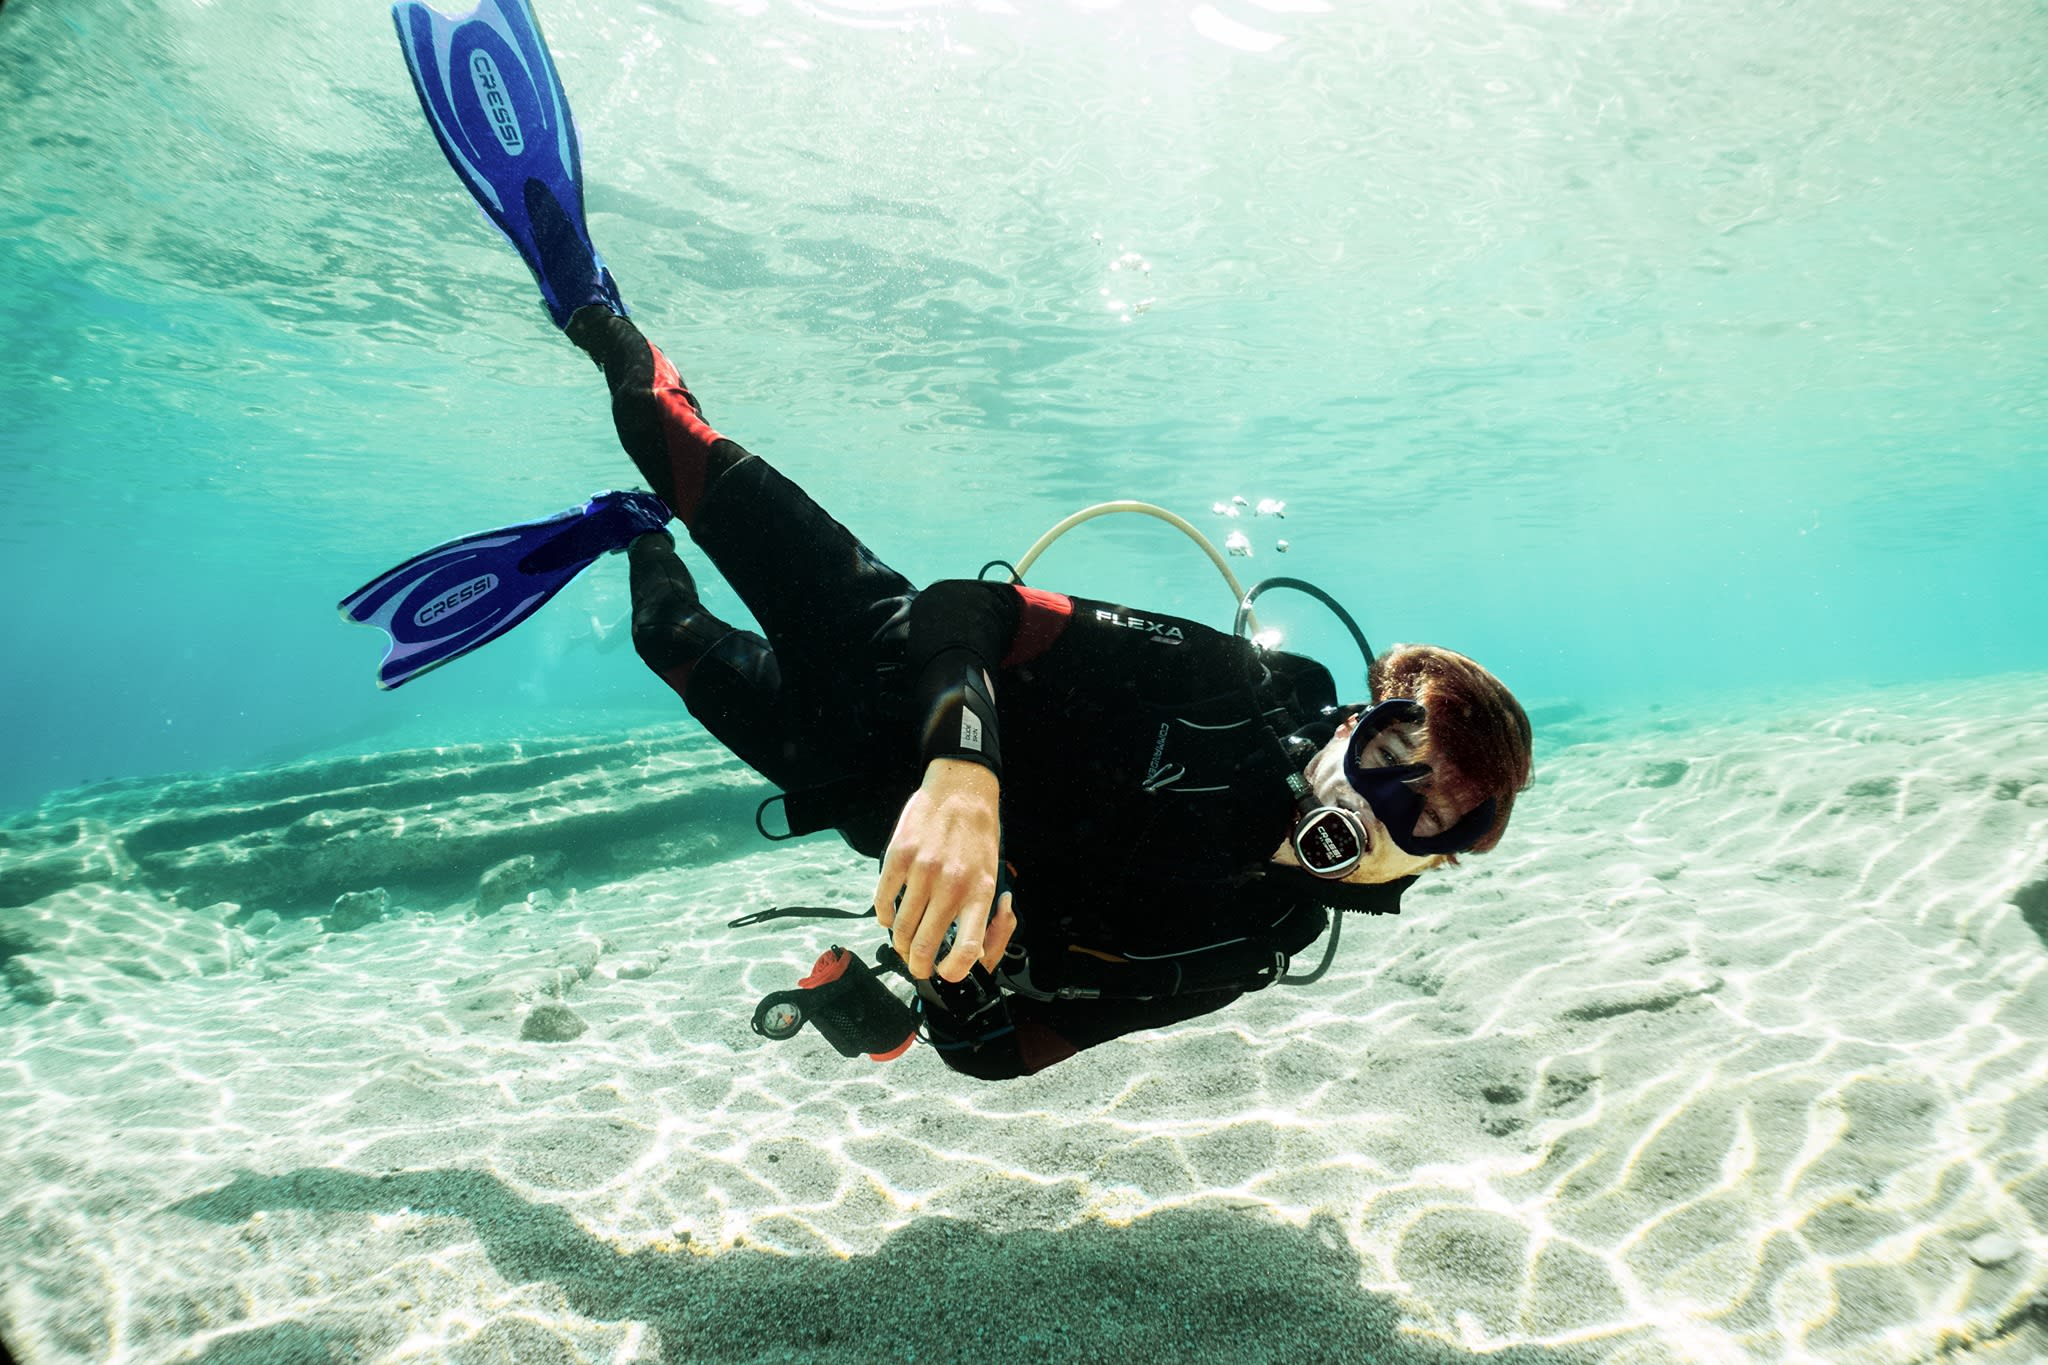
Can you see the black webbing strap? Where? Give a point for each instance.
(798, 912)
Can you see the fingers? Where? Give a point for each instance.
(994, 939)
(902, 894)
(919, 920)
(939, 871)
(919, 928)
(1001, 926)
(895, 869)
(957, 894)
(933, 895)
(967, 944)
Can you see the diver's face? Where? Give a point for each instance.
(1384, 860)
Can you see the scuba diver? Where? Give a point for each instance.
(1090, 818)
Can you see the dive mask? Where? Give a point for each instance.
(1390, 792)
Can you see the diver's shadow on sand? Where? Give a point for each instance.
(1181, 1285)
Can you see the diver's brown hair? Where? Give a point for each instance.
(1479, 739)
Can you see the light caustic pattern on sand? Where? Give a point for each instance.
(1733, 1052)
(1759, 1007)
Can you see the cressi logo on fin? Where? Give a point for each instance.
(497, 106)
(453, 600)
(446, 601)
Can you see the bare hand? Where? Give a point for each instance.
(942, 863)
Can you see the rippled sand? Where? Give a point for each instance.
(1733, 1052)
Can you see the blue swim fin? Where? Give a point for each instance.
(491, 95)
(443, 603)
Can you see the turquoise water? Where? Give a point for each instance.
(1637, 349)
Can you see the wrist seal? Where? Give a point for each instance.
(959, 713)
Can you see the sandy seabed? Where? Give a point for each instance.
(1734, 1051)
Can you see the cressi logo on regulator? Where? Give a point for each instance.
(490, 92)
(453, 600)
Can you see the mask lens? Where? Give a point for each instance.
(1376, 722)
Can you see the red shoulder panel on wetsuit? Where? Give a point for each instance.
(1044, 616)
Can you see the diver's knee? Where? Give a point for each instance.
(645, 404)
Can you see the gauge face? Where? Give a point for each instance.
(782, 1020)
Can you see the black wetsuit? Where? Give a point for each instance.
(1143, 794)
